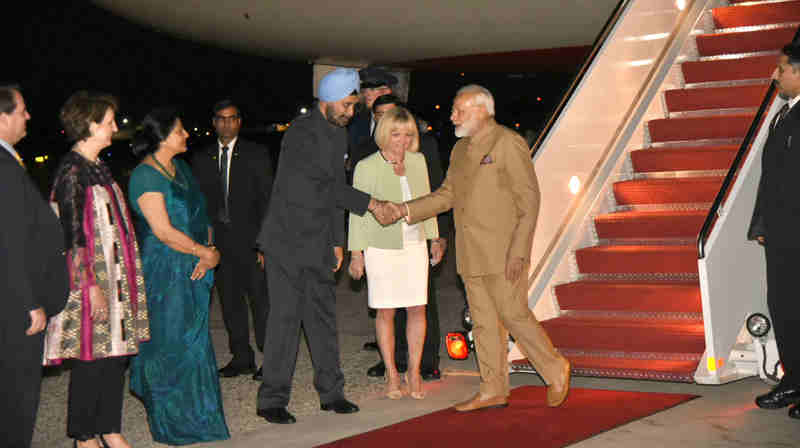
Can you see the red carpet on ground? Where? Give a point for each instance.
(527, 421)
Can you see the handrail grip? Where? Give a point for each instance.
(598, 43)
(702, 237)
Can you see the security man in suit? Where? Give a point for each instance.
(303, 242)
(775, 224)
(34, 283)
(375, 82)
(491, 187)
(236, 176)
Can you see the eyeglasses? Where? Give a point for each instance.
(229, 118)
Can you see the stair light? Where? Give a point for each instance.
(681, 4)
(758, 325)
(457, 347)
(466, 320)
(574, 185)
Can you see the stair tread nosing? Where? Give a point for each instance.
(638, 259)
(699, 128)
(766, 13)
(626, 335)
(699, 189)
(715, 44)
(754, 67)
(613, 362)
(647, 369)
(708, 98)
(630, 296)
(683, 158)
(650, 224)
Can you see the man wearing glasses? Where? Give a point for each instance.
(236, 176)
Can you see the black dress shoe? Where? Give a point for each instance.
(232, 370)
(776, 399)
(259, 375)
(429, 374)
(371, 346)
(278, 416)
(794, 411)
(340, 406)
(377, 371)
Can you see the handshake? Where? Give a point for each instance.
(386, 212)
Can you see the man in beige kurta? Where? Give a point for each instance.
(491, 187)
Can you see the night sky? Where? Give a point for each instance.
(72, 45)
(56, 48)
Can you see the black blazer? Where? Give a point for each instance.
(430, 149)
(33, 268)
(358, 135)
(777, 209)
(250, 183)
(306, 215)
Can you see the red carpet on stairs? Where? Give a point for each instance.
(526, 422)
(634, 309)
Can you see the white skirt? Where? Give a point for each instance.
(397, 278)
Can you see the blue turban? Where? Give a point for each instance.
(338, 84)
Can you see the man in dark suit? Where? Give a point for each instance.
(775, 224)
(303, 242)
(236, 176)
(375, 82)
(33, 277)
(429, 367)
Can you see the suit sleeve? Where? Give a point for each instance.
(13, 239)
(264, 179)
(357, 236)
(525, 194)
(757, 227)
(434, 203)
(349, 198)
(436, 176)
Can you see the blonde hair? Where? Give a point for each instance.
(396, 118)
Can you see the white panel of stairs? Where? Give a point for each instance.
(732, 275)
(591, 135)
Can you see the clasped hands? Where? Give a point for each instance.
(208, 259)
(386, 212)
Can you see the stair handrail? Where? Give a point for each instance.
(727, 183)
(596, 46)
(636, 109)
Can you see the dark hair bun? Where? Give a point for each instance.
(155, 128)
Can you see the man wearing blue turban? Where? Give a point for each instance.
(303, 238)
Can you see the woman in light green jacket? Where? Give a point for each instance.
(395, 257)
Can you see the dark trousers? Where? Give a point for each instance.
(430, 349)
(237, 274)
(20, 382)
(307, 297)
(95, 397)
(784, 308)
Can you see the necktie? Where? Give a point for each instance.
(780, 115)
(223, 172)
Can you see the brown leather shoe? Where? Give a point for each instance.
(555, 397)
(481, 402)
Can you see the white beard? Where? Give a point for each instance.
(465, 129)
